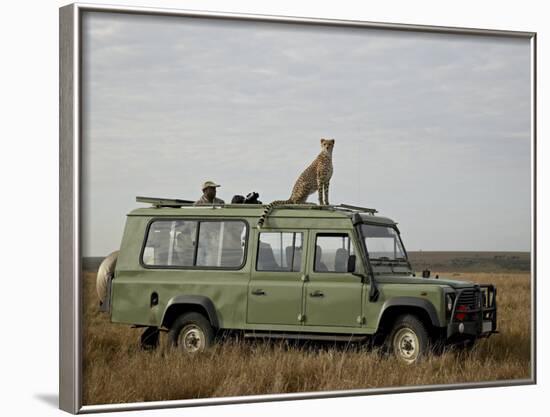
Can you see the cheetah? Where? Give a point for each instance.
(316, 177)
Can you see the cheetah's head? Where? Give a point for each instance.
(327, 145)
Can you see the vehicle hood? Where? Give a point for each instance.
(395, 279)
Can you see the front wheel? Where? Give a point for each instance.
(409, 339)
(191, 333)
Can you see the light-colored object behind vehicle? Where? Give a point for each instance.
(104, 274)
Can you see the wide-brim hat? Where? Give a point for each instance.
(209, 184)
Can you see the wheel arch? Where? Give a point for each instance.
(397, 306)
(189, 303)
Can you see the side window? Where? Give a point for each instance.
(170, 243)
(189, 243)
(279, 251)
(221, 244)
(332, 252)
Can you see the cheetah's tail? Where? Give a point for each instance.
(268, 209)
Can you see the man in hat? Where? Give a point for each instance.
(209, 194)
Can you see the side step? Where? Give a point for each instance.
(307, 336)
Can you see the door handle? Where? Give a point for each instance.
(316, 293)
(258, 292)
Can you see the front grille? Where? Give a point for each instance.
(477, 304)
(468, 298)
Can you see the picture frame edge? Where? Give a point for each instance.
(70, 309)
(69, 263)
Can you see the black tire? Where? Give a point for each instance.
(191, 333)
(408, 339)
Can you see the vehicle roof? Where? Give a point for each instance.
(311, 211)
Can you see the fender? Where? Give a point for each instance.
(199, 300)
(425, 305)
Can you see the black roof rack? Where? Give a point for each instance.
(164, 202)
(176, 203)
(356, 208)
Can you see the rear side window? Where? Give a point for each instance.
(195, 243)
(279, 251)
(221, 244)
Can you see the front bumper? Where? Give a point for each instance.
(480, 312)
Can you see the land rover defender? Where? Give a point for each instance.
(336, 272)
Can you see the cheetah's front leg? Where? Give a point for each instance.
(320, 186)
(326, 192)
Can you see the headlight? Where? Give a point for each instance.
(449, 302)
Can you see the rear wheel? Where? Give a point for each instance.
(409, 339)
(191, 333)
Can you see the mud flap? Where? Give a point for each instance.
(150, 338)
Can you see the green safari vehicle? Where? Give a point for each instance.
(311, 272)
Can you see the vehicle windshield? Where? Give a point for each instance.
(383, 243)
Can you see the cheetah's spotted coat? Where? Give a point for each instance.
(316, 177)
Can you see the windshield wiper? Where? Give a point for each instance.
(386, 260)
(381, 260)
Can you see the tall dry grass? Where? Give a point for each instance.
(117, 371)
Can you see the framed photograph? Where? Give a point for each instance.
(258, 208)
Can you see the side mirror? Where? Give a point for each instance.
(351, 263)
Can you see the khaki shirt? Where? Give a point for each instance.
(204, 200)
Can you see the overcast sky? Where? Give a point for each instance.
(432, 130)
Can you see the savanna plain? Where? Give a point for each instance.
(116, 370)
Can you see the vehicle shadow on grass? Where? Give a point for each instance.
(308, 346)
(373, 345)
(228, 340)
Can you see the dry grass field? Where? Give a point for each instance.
(117, 371)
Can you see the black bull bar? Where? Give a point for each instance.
(480, 309)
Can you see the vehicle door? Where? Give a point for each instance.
(276, 283)
(332, 295)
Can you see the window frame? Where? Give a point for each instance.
(302, 261)
(199, 220)
(332, 234)
(363, 238)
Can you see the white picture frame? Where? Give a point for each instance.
(70, 195)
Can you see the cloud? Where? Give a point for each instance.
(427, 126)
